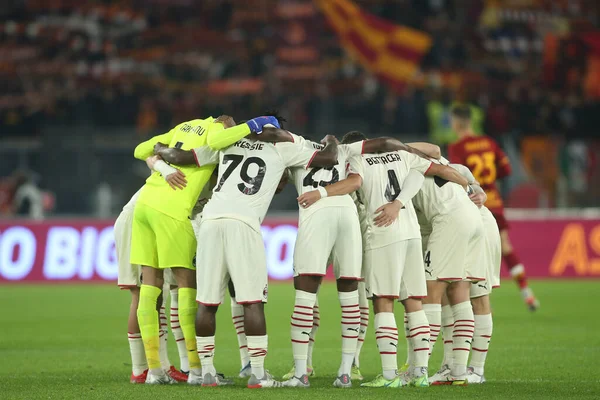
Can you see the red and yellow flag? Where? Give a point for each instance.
(391, 52)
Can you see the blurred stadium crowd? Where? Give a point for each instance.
(83, 81)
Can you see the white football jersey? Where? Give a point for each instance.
(249, 173)
(383, 176)
(466, 172)
(362, 219)
(309, 179)
(205, 194)
(439, 197)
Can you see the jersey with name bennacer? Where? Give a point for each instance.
(309, 179)
(383, 176)
(249, 173)
(439, 197)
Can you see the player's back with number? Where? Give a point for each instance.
(383, 176)
(309, 179)
(249, 173)
(229, 239)
(452, 231)
(486, 160)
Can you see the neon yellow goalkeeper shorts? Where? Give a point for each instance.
(160, 241)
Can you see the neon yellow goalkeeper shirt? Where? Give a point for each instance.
(157, 193)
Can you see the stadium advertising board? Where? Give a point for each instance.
(83, 250)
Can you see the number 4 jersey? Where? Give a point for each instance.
(383, 176)
(309, 179)
(249, 173)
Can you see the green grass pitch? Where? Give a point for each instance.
(69, 342)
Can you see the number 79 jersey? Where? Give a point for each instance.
(249, 173)
(383, 176)
(309, 179)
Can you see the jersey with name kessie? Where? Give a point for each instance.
(309, 179)
(383, 176)
(249, 173)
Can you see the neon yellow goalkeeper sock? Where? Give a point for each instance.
(148, 320)
(187, 320)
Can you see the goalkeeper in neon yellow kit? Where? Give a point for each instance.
(162, 234)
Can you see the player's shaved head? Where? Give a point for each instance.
(353, 136)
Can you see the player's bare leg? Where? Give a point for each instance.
(147, 314)
(184, 365)
(301, 325)
(386, 335)
(139, 365)
(418, 339)
(349, 302)
(517, 271)
(481, 339)
(186, 282)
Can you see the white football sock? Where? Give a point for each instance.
(313, 333)
(184, 364)
(386, 335)
(434, 317)
(206, 353)
(301, 325)
(138, 356)
(257, 347)
(410, 354)
(447, 332)
(418, 327)
(481, 342)
(363, 304)
(464, 326)
(237, 316)
(350, 329)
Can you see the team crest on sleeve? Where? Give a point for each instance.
(266, 292)
(194, 262)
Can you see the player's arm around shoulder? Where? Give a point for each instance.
(328, 156)
(350, 184)
(174, 177)
(447, 173)
(176, 156)
(146, 149)
(429, 150)
(383, 145)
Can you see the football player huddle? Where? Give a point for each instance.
(396, 221)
